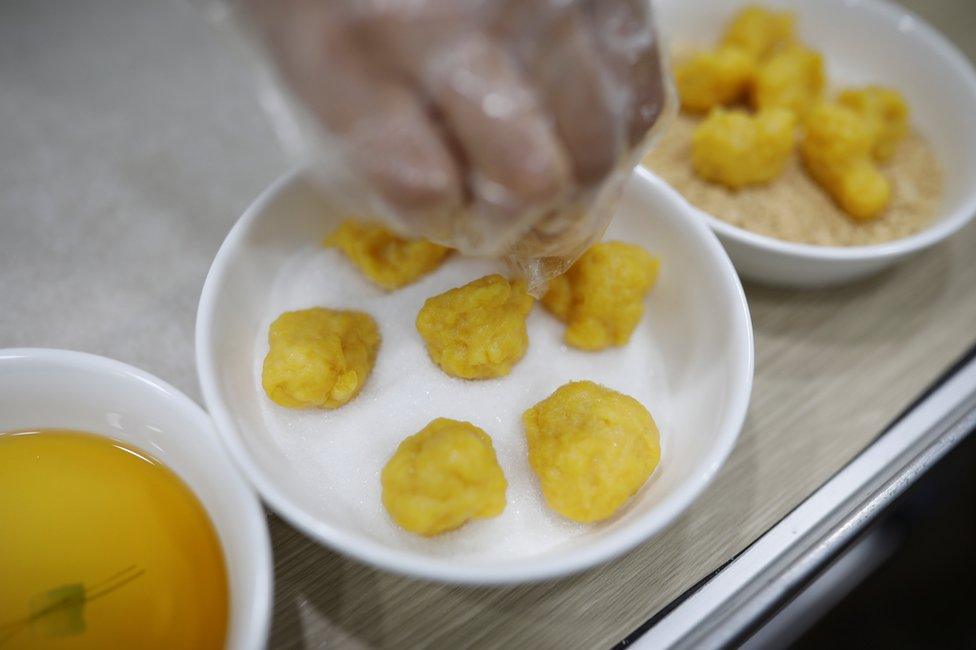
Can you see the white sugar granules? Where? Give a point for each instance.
(338, 455)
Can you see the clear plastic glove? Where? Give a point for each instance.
(502, 128)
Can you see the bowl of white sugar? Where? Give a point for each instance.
(689, 362)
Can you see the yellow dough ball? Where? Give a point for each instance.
(443, 476)
(319, 357)
(713, 78)
(592, 449)
(759, 31)
(601, 297)
(793, 79)
(837, 151)
(477, 331)
(736, 149)
(885, 110)
(384, 257)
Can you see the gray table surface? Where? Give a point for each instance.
(130, 141)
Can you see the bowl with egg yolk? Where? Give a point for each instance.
(424, 468)
(125, 497)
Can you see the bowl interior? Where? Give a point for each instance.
(697, 320)
(58, 389)
(873, 42)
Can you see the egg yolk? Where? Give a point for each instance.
(713, 78)
(837, 151)
(885, 111)
(736, 149)
(103, 546)
(443, 476)
(319, 357)
(592, 449)
(759, 31)
(601, 297)
(384, 257)
(477, 331)
(793, 79)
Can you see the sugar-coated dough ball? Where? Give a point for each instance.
(713, 78)
(759, 31)
(793, 78)
(477, 331)
(885, 111)
(601, 297)
(319, 357)
(837, 151)
(443, 476)
(384, 257)
(592, 449)
(736, 149)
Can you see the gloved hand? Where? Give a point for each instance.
(498, 127)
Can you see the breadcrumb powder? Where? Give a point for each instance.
(793, 207)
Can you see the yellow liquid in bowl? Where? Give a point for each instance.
(101, 546)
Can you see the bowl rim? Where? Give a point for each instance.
(522, 570)
(255, 623)
(949, 223)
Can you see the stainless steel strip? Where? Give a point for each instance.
(788, 574)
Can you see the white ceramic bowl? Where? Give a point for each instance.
(700, 327)
(863, 41)
(42, 388)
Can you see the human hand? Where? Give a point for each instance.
(479, 123)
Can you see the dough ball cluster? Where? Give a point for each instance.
(757, 86)
(591, 447)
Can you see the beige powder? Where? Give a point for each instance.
(793, 207)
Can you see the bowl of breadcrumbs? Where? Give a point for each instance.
(822, 142)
